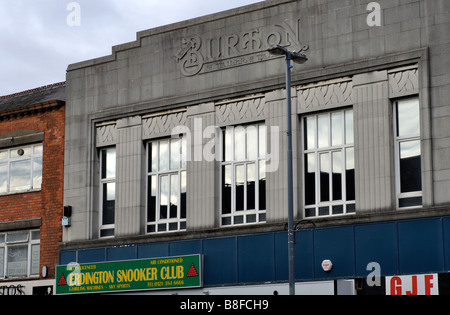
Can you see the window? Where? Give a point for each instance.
(20, 254)
(244, 175)
(166, 185)
(21, 169)
(107, 191)
(329, 172)
(408, 153)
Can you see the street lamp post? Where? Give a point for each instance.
(300, 59)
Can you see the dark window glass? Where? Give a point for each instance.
(310, 180)
(109, 201)
(324, 177)
(251, 186)
(410, 167)
(226, 189)
(240, 186)
(262, 186)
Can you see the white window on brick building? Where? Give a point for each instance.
(21, 169)
(20, 254)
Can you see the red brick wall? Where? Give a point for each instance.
(48, 203)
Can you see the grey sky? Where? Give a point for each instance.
(37, 44)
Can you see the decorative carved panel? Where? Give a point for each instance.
(106, 135)
(405, 81)
(241, 111)
(325, 95)
(163, 125)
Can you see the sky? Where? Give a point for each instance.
(40, 38)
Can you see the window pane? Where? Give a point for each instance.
(226, 189)
(153, 157)
(350, 173)
(325, 177)
(107, 233)
(408, 118)
(174, 190)
(38, 149)
(175, 154)
(2, 262)
(20, 175)
(35, 259)
(17, 237)
(37, 173)
(324, 211)
(410, 167)
(349, 129)
(152, 194)
(228, 144)
(310, 133)
(183, 195)
(109, 163)
(262, 185)
(252, 143)
(3, 155)
(337, 176)
(17, 261)
(337, 131)
(240, 187)
(21, 152)
(3, 178)
(310, 179)
(262, 141)
(410, 202)
(35, 235)
(164, 155)
(109, 202)
(183, 152)
(324, 131)
(239, 143)
(251, 186)
(164, 197)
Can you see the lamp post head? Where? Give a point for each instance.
(279, 50)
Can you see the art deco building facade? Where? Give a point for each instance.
(176, 145)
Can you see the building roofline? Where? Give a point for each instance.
(42, 88)
(177, 26)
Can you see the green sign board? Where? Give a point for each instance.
(133, 275)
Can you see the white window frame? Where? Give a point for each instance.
(246, 216)
(349, 206)
(36, 152)
(108, 229)
(6, 246)
(398, 140)
(166, 225)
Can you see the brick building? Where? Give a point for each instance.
(31, 183)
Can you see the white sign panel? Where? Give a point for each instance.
(413, 285)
